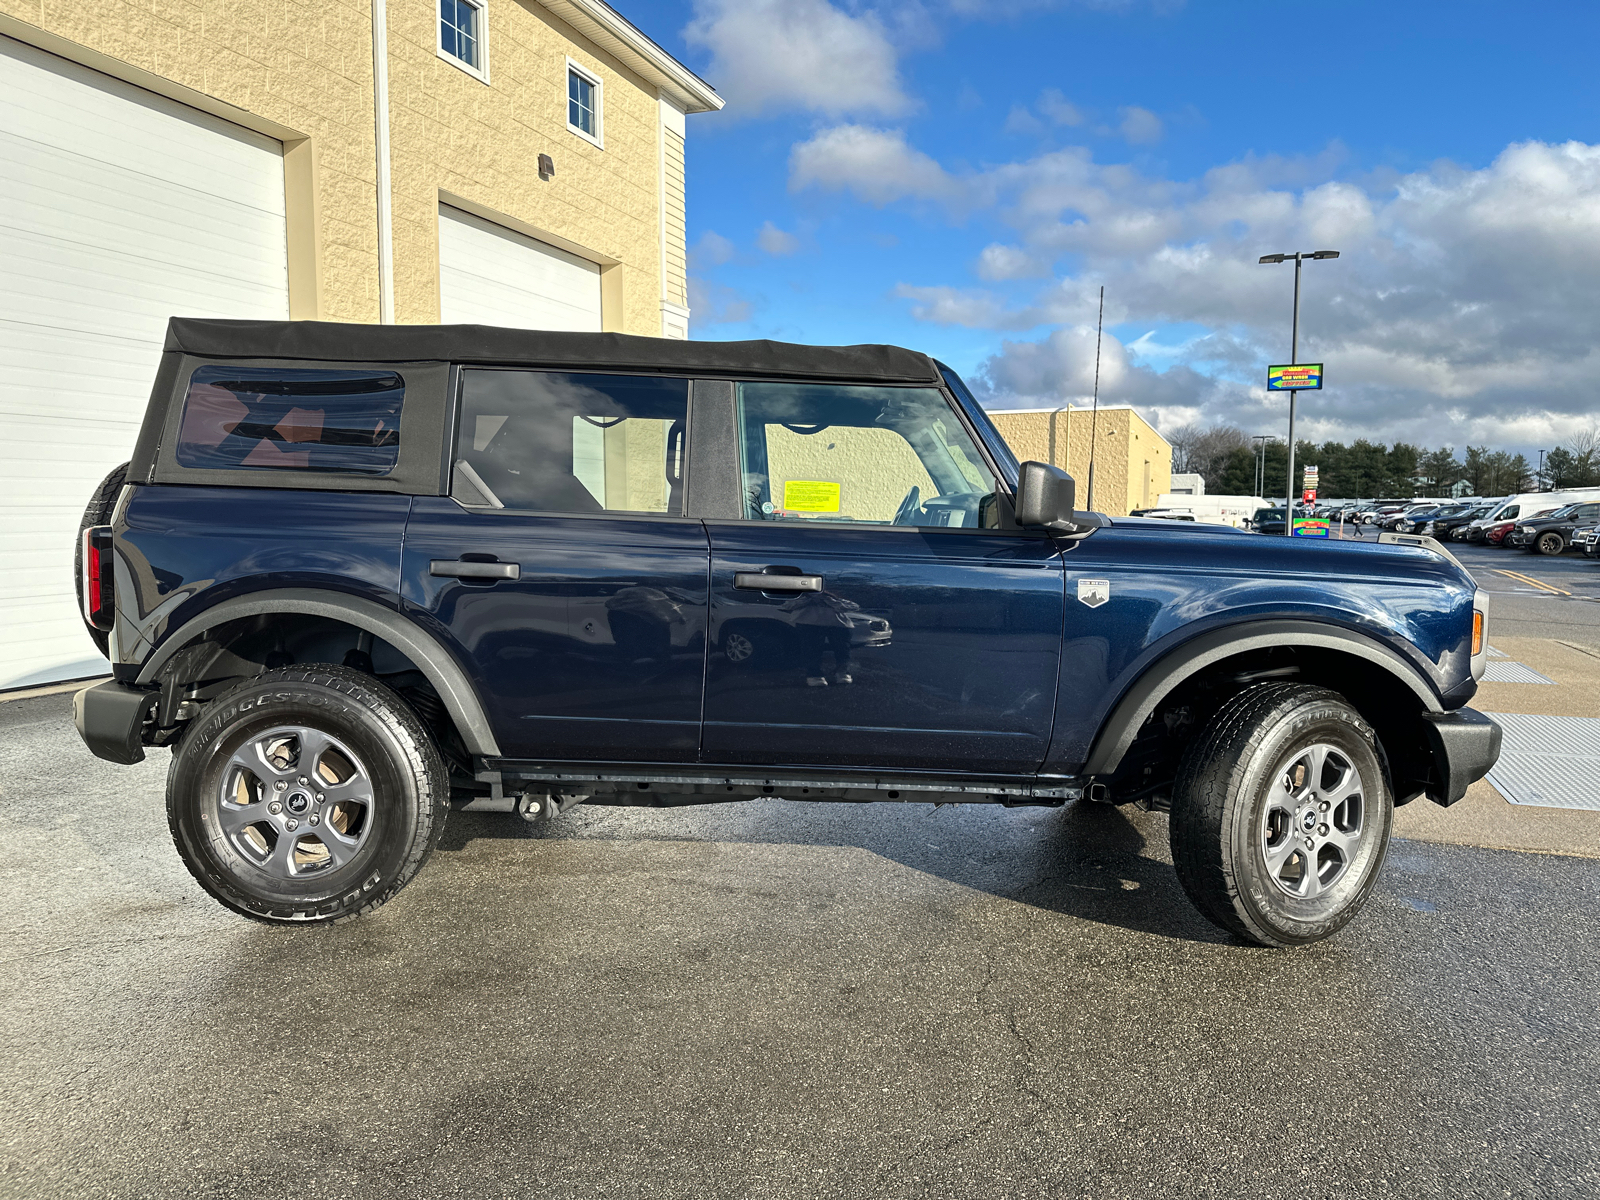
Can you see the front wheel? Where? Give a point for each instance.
(1281, 815)
(1550, 543)
(306, 794)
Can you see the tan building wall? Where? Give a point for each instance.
(1132, 467)
(305, 75)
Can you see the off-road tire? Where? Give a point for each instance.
(1225, 786)
(1549, 543)
(97, 512)
(410, 792)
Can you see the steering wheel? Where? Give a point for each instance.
(909, 508)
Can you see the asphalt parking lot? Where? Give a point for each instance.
(782, 999)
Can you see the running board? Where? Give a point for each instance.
(652, 785)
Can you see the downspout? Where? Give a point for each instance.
(380, 107)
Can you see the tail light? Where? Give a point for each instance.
(98, 603)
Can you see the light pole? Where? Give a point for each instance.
(1261, 462)
(1294, 357)
(1539, 477)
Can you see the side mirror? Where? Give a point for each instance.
(1047, 496)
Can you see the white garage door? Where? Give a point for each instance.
(490, 275)
(118, 209)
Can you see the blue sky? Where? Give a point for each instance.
(963, 175)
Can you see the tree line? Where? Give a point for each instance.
(1227, 459)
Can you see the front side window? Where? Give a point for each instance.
(583, 102)
(860, 455)
(269, 418)
(461, 33)
(543, 441)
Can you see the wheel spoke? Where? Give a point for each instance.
(1346, 843)
(236, 817)
(281, 860)
(312, 744)
(1310, 881)
(1279, 854)
(340, 848)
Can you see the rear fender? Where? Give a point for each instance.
(430, 657)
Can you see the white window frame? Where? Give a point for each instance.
(480, 72)
(598, 137)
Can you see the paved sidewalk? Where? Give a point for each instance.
(1484, 817)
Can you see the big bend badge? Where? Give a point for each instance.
(1094, 592)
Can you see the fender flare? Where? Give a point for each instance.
(432, 659)
(1119, 729)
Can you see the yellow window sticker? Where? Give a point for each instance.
(811, 496)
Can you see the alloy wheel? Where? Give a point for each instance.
(295, 801)
(1314, 820)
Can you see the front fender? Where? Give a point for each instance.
(1165, 674)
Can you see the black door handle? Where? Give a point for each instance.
(460, 569)
(762, 582)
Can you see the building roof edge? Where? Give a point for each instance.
(613, 32)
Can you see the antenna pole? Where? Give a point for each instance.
(1094, 419)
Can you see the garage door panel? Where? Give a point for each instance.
(118, 125)
(216, 238)
(118, 210)
(490, 275)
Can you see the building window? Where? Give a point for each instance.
(584, 115)
(462, 40)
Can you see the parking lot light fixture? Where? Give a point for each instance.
(1294, 357)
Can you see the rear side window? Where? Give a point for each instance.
(544, 441)
(291, 419)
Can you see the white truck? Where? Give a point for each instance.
(1211, 510)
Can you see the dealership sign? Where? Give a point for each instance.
(1296, 377)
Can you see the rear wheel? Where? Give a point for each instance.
(306, 794)
(1281, 815)
(1550, 543)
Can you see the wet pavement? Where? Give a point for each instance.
(775, 999)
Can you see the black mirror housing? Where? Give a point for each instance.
(1047, 497)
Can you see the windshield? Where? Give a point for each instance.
(1564, 511)
(991, 437)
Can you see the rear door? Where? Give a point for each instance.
(868, 610)
(562, 570)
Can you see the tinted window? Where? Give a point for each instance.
(271, 418)
(550, 442)
(863, 455)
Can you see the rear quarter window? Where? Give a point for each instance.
(341, 422)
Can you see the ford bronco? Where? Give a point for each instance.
(356, 575)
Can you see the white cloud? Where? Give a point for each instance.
(799, 54)
(1140, 126)
(775, 241)
(875, 164)
(1462, 308)
(970, 307)
(1059, 109)
(716, 304)
(712, 250)
(997, 262)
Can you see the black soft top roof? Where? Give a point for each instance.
(334, 341)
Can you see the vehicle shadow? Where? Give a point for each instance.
(1093, 862)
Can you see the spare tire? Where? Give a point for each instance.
(101, 506)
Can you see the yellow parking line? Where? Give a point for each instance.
(1532, 582)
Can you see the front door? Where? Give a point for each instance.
(870, 611)
(561, 570)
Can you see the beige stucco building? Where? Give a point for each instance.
(1133, 465)
(466, 127)
(500, 162)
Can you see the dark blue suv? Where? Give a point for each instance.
(354, 575)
